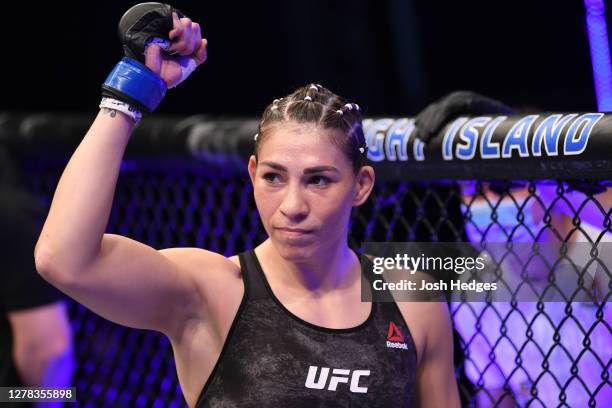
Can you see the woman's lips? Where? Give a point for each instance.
(294, 232)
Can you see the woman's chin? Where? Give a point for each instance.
(295, 253)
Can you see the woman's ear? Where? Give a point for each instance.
(252, 166)
(364, 184)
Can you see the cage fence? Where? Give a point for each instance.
(183, 183)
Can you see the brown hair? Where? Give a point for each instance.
(315, 104)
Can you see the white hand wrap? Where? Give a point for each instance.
(187, 63)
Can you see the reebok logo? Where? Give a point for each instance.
(395, 338)
(339, 375)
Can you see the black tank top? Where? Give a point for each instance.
(272, 358)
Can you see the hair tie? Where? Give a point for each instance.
(308, 98)
(341, 112)
(256, 135)
(361, 150)
(349, 106)
(314, 86)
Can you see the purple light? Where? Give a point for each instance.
(600, 53)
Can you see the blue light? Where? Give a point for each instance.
(600, 53)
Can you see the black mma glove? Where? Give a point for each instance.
(131, 82)
(431, 120)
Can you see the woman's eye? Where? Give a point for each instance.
(320, 180)
(271, 177)
(275, 178)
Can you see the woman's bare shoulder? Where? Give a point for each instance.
(217, 277)
(204, 264)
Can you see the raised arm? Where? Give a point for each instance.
(42, 345)
(121, 279)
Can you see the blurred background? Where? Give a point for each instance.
(392, 56)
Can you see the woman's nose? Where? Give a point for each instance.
(294, 204)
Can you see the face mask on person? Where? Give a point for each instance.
(505, 225)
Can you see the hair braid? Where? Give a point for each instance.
(316, 104)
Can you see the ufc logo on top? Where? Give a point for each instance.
(338, 376)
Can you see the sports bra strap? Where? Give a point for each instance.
(253, 276)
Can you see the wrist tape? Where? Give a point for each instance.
(123, 107)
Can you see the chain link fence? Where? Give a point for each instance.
(507, 354)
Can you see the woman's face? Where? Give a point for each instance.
(305, 188)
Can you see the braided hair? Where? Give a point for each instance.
(318, 105)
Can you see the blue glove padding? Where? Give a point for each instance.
(133, 82)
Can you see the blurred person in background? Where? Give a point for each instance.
(514, 351)
(523, 355)
(35, 332)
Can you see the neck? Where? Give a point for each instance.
(332, 268)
